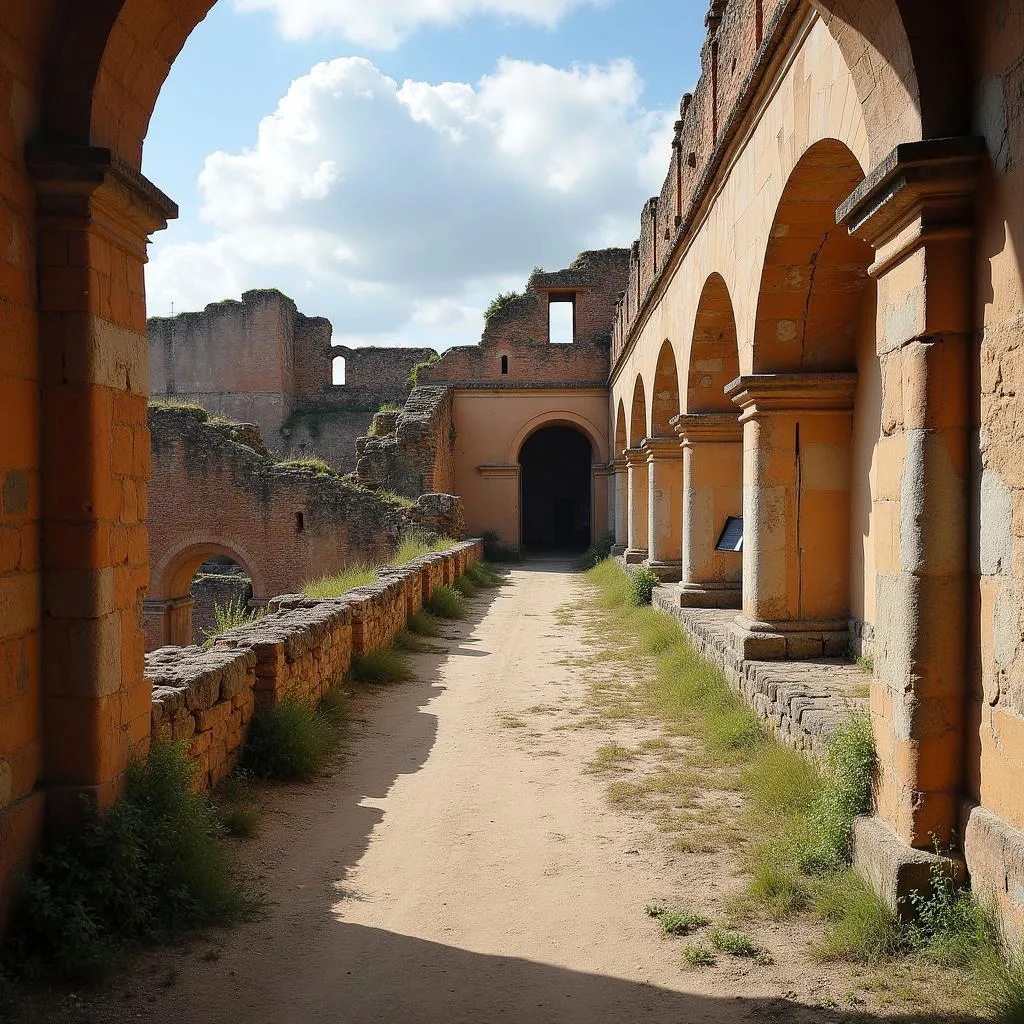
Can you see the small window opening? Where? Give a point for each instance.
(338, 374)
(561, 319)
(504, 365)
(300, 522)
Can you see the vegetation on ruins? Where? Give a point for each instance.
(483, 576)
(641, 586)
(596, 553)
(291, 741)
(466, 587)
(311, 463)
(385, 665)
(498, 303)
(150, 868)
(447, 603)
(422, 623)
(414, 374)
(227, 616)
(796, 823)
(415, 545)
(356, 575)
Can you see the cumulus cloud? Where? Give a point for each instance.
(396, 210)
(383, 24)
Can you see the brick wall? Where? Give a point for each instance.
(260, 360)
(303, 648)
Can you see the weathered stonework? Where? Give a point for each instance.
(261, 361)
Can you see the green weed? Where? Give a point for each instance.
(641, 587)
(495, 550)
(327, 587)
(410, 642)
(595, 554)
(415, 545)
(385, 665)
(228, 616)
(311, 464)
(422, 623)
(483, 576)
(681, 923)
(466, 587)
(734, 943)
(447, 603)
(698, 956)
(289, 742)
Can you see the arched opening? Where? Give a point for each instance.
(637, 477)
(504, 366)
(712, 561)
(222, 591)
(665, 403)
(338, 371)
(621, 437)
(555, 466)
(814, 403)
(638, 414)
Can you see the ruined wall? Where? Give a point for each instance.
(519, 331)
(260, 360)
(285, 524)
(300, 650)
(413, 454)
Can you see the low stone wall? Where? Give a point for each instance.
(802, 702)
(301, 649)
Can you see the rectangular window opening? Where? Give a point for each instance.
(561, 319)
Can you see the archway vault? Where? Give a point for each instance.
(173, 575)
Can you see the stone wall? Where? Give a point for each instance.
(518, 333)
(286, 525)
(303, 648)
(418, 456)
(260, 360)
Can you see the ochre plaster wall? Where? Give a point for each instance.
(491, 426)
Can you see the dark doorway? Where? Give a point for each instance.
(555, 467)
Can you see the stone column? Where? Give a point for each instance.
(712, 491)
(602, 498)
(95, 213)
(664, 506)
(621, 507)
(797, 436)
(636, 468)
(917, 212)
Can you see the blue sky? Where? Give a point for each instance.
(422, 166)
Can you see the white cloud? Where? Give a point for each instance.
(396, 210)
(383, 24)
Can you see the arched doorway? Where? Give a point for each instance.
(555, 467)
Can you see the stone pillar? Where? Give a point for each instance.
(797, 436)
(94, 214)
(712, 491)
(602, 497)
(168, 623)
(917, 212)
(664, 506)
(621, 507)
(636, 468)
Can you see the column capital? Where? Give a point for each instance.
(658, 449)
(88, 183)
(922, 191)
(618, 465)
(635, 457)
(804, 393)
(708, 427)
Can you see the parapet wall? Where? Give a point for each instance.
(303, 648)
(260, 360)
(743, 36)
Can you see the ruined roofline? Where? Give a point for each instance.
(699, 153)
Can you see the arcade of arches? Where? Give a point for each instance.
(818, 331)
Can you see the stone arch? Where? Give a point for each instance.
(559, 418)
(714, 355)
(173, 575)
(907, 58)
(621, 434)
(638, 414)
(665, 400)
(814, 273)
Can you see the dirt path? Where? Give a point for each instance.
(463, 866)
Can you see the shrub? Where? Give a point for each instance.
(357, 575)
(422, 623)
(289, 742)
(734, 943)
(466, 587)
(698, 956)
(498, 303)
(382, 666)
(150, 868)
(447, 603)
(596, 553)
(414, 374)
(641, 587)
(678, 923)
(497, 551)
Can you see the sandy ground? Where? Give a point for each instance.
(462, 865)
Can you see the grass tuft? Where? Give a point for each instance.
(409, 642)
(291, 741)
(483, 576)
(698, 956)
(495, 550)
(327, 587)
(596, 553)
(641, 587)
(415, 545)
(466, 587)
(228, 616)
(311, 464)
(386, 665)
(447, 603)
(734, 943)
(422, 623)
(681, 923)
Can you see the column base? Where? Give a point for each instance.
(635, 556)
(618, 549)
(710, 595)
(894, 869)
(667, 572)
(789, 641)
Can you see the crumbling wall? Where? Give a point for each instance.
(303, 648)
(418, 457)
(515, 349)
(216, 491)
(260, 360)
